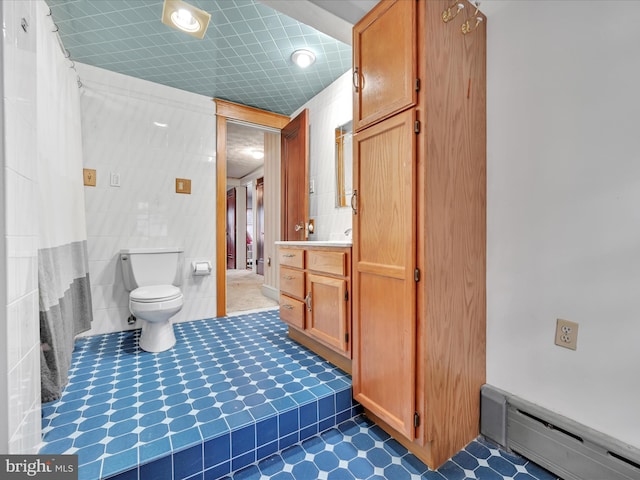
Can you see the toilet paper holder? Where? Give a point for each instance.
(201, 268)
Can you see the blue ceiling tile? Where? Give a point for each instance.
(247, 39)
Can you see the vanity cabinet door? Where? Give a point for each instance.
(327, 311)
(384, 55)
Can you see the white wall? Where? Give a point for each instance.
(19, 321)
(119, 136)
(329, 109)
(564, 207)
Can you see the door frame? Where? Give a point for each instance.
(226, 110)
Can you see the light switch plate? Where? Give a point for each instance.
(89, 175)
(115, 179)
(183, 185)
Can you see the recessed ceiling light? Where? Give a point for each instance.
(303, 58)
(185, 21)
(185, 17)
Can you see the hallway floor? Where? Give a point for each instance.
(235, 397)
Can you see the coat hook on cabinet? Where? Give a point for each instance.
(449, 14)
(467, 27)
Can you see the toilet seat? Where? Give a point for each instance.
(155, 293)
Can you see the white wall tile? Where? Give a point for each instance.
(119, 136)
(327, 110)
(20, 393)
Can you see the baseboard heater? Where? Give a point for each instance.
(564, 447)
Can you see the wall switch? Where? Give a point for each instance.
(566, 334)
(115, 179)
(89, 175)
(312, 186)
(183, 185)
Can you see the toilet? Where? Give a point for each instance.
(153, 276)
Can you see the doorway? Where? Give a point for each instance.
(229, 115)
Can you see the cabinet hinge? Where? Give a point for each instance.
(416, 420)
(416, 126)
(416, 275)
(346, 338)
(417, 84)
(346, 296)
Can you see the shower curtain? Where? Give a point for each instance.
(63, 267)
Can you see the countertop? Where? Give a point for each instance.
(316, 243)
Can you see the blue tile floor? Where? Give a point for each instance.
(358, 449)
(232, 391)
(235, 398)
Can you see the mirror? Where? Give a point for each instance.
(344, 164)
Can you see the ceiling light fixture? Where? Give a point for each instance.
(303, 58)
(185, 17)
(257, 154)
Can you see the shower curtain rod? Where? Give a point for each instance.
(65, 52)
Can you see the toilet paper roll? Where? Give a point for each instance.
(201, 268)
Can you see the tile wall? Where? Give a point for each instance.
(19, 338)
(146, 135)
(327, 110)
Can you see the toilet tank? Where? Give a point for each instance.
(142, 267)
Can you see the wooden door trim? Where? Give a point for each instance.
(231, 111)
(243, 113)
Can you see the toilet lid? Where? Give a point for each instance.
(155, 293)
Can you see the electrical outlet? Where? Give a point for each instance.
(566, 334)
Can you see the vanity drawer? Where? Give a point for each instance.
(292, 282)
(291, 257)
(292, 311)
(327, 262)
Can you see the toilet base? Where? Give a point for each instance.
(156, 336)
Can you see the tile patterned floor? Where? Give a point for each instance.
(358, 449)
(124, 407)
(235, 399)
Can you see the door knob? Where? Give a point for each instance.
(299, 226)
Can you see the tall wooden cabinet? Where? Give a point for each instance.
(418, 274)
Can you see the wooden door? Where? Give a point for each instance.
(385, 67)
(295, 178)
(259, 219)
(231, 229)
(384, 262)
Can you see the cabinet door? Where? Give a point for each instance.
(384, 55)
(327, 313)
(384, 289)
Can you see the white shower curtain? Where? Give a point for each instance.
(63, 270)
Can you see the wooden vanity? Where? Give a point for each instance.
(315, 297)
